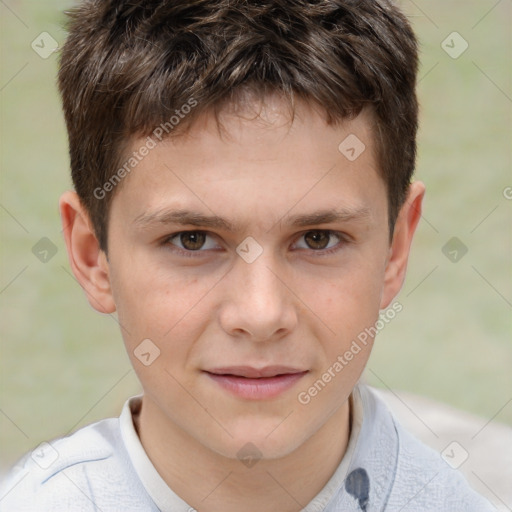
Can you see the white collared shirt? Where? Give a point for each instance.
(103, 467)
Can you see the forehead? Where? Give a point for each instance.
(272, 125)
(256, 157)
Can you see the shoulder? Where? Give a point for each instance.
(69, 473)
(423, 481)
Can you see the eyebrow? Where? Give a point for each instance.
(192, 218)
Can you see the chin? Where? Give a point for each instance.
(259, 441)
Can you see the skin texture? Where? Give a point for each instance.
(294, 305)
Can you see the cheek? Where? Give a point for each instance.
(349, 302)
(160, 305)
(349, 307)
(167, 313)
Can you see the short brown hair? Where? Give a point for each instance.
(128, 66)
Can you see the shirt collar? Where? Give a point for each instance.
(366, 472)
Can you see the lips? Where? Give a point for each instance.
(251, 383)
(255, 373)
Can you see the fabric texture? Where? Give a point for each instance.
(103, 467)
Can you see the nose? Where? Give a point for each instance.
(260, 305)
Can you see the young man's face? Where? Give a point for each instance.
(248, 312)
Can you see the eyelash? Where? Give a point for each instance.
(343, 240)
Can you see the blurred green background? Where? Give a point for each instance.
(63, 365)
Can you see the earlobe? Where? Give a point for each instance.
(405, 226)
(88, 262)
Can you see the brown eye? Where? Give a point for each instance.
(192, 240)
(322, 242)
(317, 239)
(191, 243)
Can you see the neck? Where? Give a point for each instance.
(210, 482)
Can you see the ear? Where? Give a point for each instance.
(398, 257)
(88, 262)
